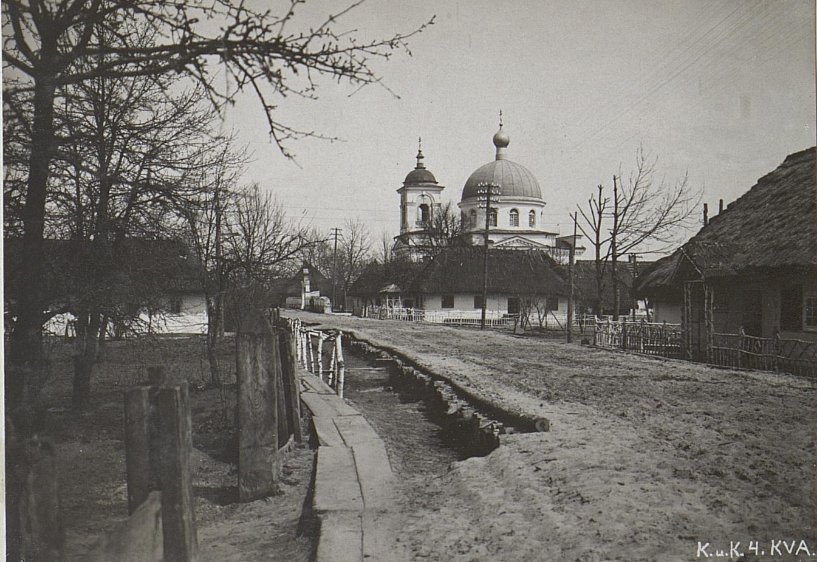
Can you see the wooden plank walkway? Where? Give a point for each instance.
(354, 482)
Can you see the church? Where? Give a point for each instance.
(515, 218)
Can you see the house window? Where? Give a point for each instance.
(552, 303)
(492, 217)
(478, 301)
(473, 215)
(448, 301)
(174, 305)
(532, 218)
(514, 217)
(810, 313)
(513, 305)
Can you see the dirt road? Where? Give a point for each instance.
(646, 459)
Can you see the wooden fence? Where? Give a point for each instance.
(313, 346)
(727, 350)
(641, 337)
(768, 354)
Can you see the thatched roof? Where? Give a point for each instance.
(134, 270)
(459, 270)
(317, 282)
(376, 276)
(773, 226)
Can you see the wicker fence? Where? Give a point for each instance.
(768, 354)
(727, 350)
(641, 337)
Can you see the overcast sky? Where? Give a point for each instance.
(722, 89)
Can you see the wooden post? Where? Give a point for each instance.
(740, 346)
(257, 412)
(291, 387)
(137, 446)
(34, 525)
(277, 372)
(319, 362)
(340, 364)
(175, 446)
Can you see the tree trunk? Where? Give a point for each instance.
(85, 358)
(25, 353)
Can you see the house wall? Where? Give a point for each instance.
(669, 312)
(191, 320)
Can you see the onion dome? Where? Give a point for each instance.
(515, 180)
(420, 174)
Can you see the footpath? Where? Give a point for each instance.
(354, 482)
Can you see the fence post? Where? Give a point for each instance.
(320, 354)
(34, 525)
(740, 346)
(180, 542)
(291, 386)
(137, 446)
(340, 364)
(778, 351)
(257, 411)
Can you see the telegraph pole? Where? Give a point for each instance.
(570, 274)
(486, 189)
(336, 233)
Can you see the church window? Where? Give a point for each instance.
(423, 213)
(473, 216)
(514, 217)
(532, 218)
(448, 301)
(492, 217)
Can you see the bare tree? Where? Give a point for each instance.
(642, 210)
(355, 252)
(207, 220)
(49, 44)
(445, 230)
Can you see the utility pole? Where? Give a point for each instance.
(614, 250)
(336, 233)
(487, 190)
(570, 274)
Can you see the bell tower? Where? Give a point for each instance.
(419, 201)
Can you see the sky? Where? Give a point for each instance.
(721, 90)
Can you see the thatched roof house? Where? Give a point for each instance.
(756, 262)
(510, 272)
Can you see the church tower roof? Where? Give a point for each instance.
(420, 175)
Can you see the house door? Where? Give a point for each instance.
(693, 321)
(753, 312)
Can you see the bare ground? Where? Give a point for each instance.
(91, 456)
(646, 459)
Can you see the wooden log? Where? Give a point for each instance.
(257, 414)
(292, 390)
(280, 396)
(35, 531)
(137, 446)
(179, 539)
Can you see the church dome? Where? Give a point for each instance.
(420, 174)
(515, 180)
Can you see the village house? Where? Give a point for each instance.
(450, 287)
(307, 289)
(750, 270)
(153, 286)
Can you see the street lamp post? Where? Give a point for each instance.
(486, 191)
